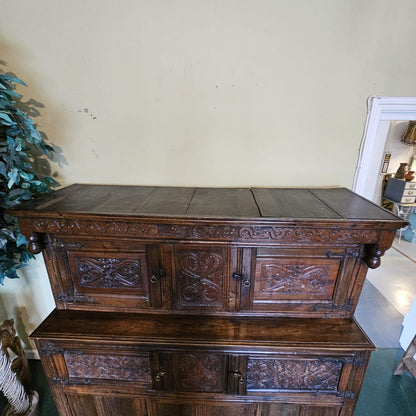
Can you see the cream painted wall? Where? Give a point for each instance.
(28, 300)
(209, 93)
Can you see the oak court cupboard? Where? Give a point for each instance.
(205, 301)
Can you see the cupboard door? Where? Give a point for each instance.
(200, 277)
(320, 411)
(95, 405)
(83, 366)
(307, 374)
(105, 274)
(161, 408)
(199, 372)
(297, 281)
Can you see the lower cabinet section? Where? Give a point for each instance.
(158, 367)
(94, 379)
(93, 405)
(254, 374)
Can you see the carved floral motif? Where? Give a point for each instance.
(294, 279)
(109, 273)
(287, 374)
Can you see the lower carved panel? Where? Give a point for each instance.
(291, 374)
(201, 372)
(109, 367)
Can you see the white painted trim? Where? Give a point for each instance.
(372, 145)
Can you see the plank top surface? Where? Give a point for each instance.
(206, 330)
(229, 203)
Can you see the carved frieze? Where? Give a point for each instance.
(108, 367)
(87, 227)
(319, 235)
(221, 232)
(293, 374)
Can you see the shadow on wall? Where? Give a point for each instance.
(23, 325)
(2, 311)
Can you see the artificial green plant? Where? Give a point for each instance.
(21, 145)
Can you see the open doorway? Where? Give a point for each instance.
(387, 120)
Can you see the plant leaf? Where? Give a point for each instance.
(21, 145)
(3, 169)
(3, 243)
(6, 119)
(21, 240)
(5, 232)
(14, 79)
(14, 177)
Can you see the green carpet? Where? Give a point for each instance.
(384, 394)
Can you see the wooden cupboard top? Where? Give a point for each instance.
(157, 331)
(334, 204)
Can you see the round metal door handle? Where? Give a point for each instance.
(159, 375)
(153, 279)
(246, 283)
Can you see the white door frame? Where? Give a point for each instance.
(372, 146)
(380, 110)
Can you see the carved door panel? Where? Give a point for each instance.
(198, 372)
(297, 281)
(304, 374)
(105, 274)
(200, 278)
(78, 364)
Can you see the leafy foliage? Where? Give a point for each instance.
(20, 146)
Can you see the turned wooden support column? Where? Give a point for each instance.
(36, 243)
(373, 256)
(374, 252)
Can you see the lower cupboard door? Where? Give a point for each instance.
(92, 405)
(224, 409)
(307, 375)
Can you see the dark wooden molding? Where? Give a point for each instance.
(234, 233)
